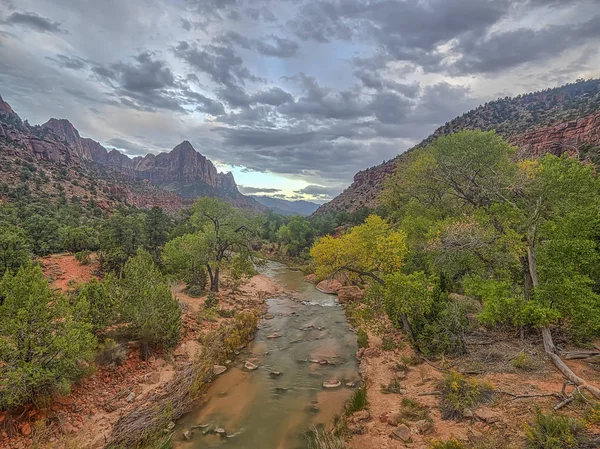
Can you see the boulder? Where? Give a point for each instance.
(250, 366)
(393, 419)
(275, 335)
(26, 429)
(331, 384)
(402, 433)
(487, 415)
(362, 415)
(187, 435)
(220, 431)
(312, 278)
(275, 373)
(219, 369)
(349, 294)
(424, 426)
(330, 286)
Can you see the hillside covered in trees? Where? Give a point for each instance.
(563, 119)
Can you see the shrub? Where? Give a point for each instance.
(111, 353)
(195, 291)
(413, 410)
(388, 344)
(227, 313)
(460, 393)
(146, 303)
(42, 344)
(358, 400)
(212, 301)
(522, 361)
(83, 257)
(550, 431)
(362, 338)
(393, 387)
(101, 307)
(448, 444)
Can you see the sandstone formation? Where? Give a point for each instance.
(329, 286)
(350, 293)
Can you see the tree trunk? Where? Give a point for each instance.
(216, 283)
(527, 280)
(408, 329)
(549, 347)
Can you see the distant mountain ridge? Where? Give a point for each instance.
(563, 119)
(182, 173)
(287, 207)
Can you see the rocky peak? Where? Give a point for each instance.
(67, 133)
(7, 113)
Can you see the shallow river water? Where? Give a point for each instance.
(260, 411)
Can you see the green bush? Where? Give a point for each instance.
(42, 343)
(212, 301)
(195, 291)
(523, 362)
(551, 431)
(362, 338)
(101, 307)
(393, 387)
(460, 393)
(388, 344)
(414, 411)
(146, 303)
(83, 257)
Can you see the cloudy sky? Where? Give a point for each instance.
(294, 96)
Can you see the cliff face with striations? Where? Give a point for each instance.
(565, 119)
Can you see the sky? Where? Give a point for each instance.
(293, 96)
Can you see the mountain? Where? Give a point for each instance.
(563, 119)
(286, 207)
(169, 180)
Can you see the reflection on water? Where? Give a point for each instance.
(261, 411)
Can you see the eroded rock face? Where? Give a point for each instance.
(330, 286)
(350, 294)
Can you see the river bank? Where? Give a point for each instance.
(86, 417)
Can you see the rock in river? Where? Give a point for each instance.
(250, 366)
(331, 384)
(219, 369)
(275, 335)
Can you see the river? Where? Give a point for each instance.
(259, 410)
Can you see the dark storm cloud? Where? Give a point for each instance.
(35, 22)
(221, 63)
(503, 50)
(314, 89)
(252, 190)
(317, 190)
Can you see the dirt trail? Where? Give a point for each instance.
(85, 417)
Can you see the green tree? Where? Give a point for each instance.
(80, 238)
(15, 248)
(297, 234)
(101, 307)
(158, 225)
(225, 232)
(43, 339)
(146, 303)
(186, 258)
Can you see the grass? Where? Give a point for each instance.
(388, 344)
(323, 439)
(552, 431)
(414, 411)
(358, 401)
(460, 393)
(362, 338)
(522, 362)
(393, 387)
